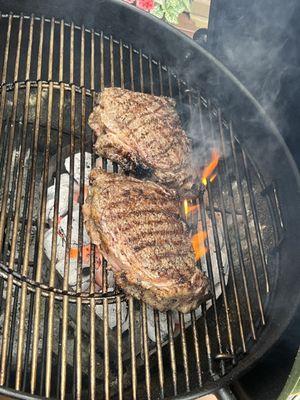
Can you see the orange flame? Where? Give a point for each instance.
(199, 244)
(209, 169)
(189, 208)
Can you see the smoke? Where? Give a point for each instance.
(256, 40)
(203, 130)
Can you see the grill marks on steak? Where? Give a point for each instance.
(137, 226)
(139, 130)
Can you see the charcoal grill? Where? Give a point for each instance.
(52, 342)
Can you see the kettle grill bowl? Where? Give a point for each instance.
(51, 91)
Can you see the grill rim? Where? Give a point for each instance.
(258, 345)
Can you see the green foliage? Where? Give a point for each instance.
(171, 9)
(158, 11)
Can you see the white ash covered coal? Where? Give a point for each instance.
(212, 249)
(86, 249)
(163, 324)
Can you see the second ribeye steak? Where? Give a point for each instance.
(138, 229)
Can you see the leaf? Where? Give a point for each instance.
(172, 3)
(172, 15)
(186, 4)
(176, 5)
(181, 8)
(158, 11)
(161, 3)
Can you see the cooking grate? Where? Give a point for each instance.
(52, 342)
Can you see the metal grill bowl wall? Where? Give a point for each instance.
(52, 341)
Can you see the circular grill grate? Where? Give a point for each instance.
(53, 340)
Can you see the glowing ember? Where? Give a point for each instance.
(198, 242)
(207, 173)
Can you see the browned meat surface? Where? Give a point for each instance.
(139, 130)
(138, 229)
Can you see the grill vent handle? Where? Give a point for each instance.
(200, 37)
(225, 394)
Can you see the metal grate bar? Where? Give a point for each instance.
(19, 184)
(20, 174)
(118, 301)
(55, 225)
(237, 236)
(221, 268)
(221, 185)
(184, 352)
(269, 191)
(121, 62)
(78, 390)
(144, 337)
(159, 353)
(211, 277)
(43, 206)
(112, 64)
(12, 128)
(131, 68)
(141, 71)
(44, 346)
(209, 264)
(181, 317)
(255, 218)
(92, 385)
(6, 51)
(156, 313)
(132, 347)
(193, 314)
(172, 352)
(278, 206)
(31, 195)
(207, 342)
(119, 338)
(9, 288)
(101, 62)
(246, 225)
(169, 314)
(131, 301)
(146, 350)
(197, 348)
(105, 312)
(28, 343)
(55, 228)
(59, 360)
(218, 253)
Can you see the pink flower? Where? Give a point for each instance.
(146, 5)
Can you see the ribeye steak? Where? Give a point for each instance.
(143, 132)
(138, 229)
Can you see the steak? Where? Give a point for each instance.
(138, 229)
(143, 133)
